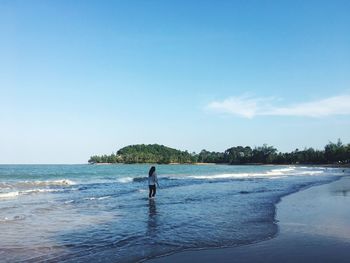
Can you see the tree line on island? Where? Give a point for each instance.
(332, 153)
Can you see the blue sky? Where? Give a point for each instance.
(79, 78)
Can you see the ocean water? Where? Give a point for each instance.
(101, 213)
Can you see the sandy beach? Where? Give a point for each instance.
(314, 225)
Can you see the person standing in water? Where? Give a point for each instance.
(152, 181)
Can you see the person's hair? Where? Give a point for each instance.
(151, 171)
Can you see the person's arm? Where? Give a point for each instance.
(156, 179)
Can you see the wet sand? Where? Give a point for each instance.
(314, 226)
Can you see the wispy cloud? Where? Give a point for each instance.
(249, 107)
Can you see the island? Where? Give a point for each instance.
(333, 153)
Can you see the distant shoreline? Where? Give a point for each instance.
(161, 163)
(333, 154)
(243, 164)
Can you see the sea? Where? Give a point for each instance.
(102, 213)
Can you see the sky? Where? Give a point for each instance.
(79, 78)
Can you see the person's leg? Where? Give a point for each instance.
(150, 191)
(154, 191)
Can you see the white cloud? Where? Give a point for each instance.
(249, 107)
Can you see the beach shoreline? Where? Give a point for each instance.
(312, 225)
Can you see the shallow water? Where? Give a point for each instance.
(80, 213)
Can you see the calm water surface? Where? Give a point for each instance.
(92, 213)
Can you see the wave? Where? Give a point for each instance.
(272, 174)
(9, 195)
(33, 191)
(14, 194)
(310, 173)
(97, 198)
(4, 186)
(32, 187)
(281, 171)
(231, 176)
(62, 182)
(125, 180)
(27, 184)
(278, 177)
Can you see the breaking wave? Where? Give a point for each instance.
(14, 194)
(271, 174)
(275, 173)
(125, 180)
(9, 195)
(31, 184)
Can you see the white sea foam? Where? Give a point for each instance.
(233, 176)
(4, 186)
(97, 198)
(33, 191)
(218, 176)
(104, 197)
(14, 194)
(280, 171)
(311, 172)
(272, 174)
(62, 182)
(125, 180)
(9, 195)
(278, 177)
